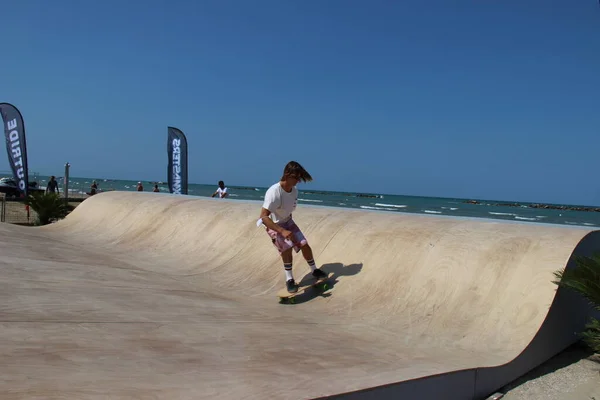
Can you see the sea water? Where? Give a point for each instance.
(367, 201)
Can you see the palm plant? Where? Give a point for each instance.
(585, 280)
(48, 206)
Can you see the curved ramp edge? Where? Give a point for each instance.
(566, 319)
(470, 299)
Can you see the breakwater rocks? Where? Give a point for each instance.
(536, 205)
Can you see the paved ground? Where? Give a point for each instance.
(572, 375)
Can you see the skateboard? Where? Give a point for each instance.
(321, 284)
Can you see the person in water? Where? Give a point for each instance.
(280, 201)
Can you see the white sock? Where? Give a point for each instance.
(288, 272)
(288, 275)
(311, 264)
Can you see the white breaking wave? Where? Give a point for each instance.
(314, 201)
(378, 208)
(432, 212)
(450, 208)
(525, 218)
(390, 205)
(500, 213)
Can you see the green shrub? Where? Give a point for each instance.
(48, 206)
(585, 280)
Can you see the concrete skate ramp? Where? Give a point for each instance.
(155, 296)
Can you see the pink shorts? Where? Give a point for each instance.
(297, 240)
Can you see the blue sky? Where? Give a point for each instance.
(480, 99)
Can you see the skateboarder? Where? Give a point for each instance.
(276, 214)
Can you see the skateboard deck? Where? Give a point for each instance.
(321, 283)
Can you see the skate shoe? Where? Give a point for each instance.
(291, 285)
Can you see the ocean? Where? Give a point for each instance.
(563, 214)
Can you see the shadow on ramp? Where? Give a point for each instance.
(339, 269)
(336, 269)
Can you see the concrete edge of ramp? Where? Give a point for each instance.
(566, 319)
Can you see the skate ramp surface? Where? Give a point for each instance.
(156, 296)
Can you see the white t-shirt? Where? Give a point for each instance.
(280, 203)
(221, 192)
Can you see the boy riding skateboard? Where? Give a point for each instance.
(276, 214)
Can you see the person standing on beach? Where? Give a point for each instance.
(276, 215)
(52, 186)
(93, 188)
(221, 190)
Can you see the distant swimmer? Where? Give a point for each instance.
(156, 189)
(276, 215)
(221, 191)
(140, 187)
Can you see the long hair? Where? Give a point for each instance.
(294, 168)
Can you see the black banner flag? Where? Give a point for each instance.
(177, 170)
(14, 132)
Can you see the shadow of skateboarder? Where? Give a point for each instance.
(335, 270)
